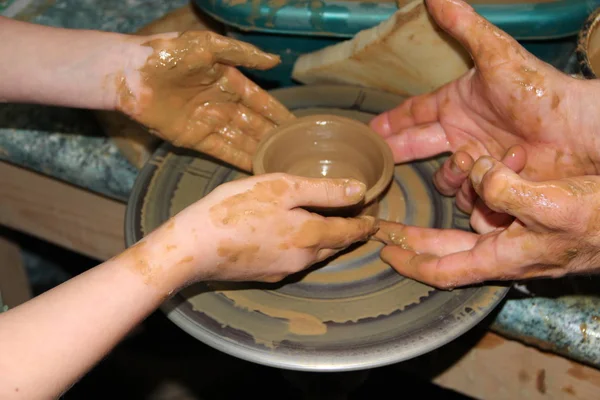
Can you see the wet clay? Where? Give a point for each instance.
(327, 146)
(191, 96)
(235, 208)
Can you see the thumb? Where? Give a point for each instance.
(322, 192)
(487, 44)
(550, 205)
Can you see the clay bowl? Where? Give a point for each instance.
(319, 146)
(588, 48)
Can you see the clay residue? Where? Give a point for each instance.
(583, 330)
(136, 258)
(540, 381)
(235, 253)
(333, 233)
(580, 372)
(393, 234)
(244, 205)
(523, 376)
(185, 260)
(569, 389)
(193, 97)
(299, 323)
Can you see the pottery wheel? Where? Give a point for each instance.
(353, 313)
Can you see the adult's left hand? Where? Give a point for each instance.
(555, 231)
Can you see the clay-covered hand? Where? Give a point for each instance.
(187, 90)
(510, 97)
(254, 229)
(556, 232)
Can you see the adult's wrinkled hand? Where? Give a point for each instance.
(187, 90)
(555, 231)
(509, 98)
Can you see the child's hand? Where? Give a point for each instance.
(187, 90)
(254, 230)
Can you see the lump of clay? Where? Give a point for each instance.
(408, 54)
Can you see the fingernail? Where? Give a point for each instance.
(355, 189)
(454, 168)
(460, 163)
(511, 152)
(481, 167)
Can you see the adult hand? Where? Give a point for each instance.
(253, 230)
(509, 98)
(556, 232)
(187, 90)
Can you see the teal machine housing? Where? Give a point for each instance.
(290, 28)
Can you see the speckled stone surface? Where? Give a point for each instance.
(65, 143)
(562, 316)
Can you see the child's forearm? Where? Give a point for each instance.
(63, 67)
(51, 341)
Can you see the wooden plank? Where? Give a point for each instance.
(60, 213)
(491, 367)
(14, 285)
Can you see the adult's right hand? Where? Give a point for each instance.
(509, 98)
(556, 231)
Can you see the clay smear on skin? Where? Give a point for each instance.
(292, 316)
(233, 209)
(230, 212)
(140, 264)
(234, 253)
(190, 99)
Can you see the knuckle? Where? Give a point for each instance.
(494, 186)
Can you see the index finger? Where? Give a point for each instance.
(496, 256)
(256, 99)
(438, 242)
(237, 53)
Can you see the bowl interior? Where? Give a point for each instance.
(327, 146)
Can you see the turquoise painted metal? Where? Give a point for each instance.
(293, 27)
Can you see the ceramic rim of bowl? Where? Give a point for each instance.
(582, 44)
(258, 167)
